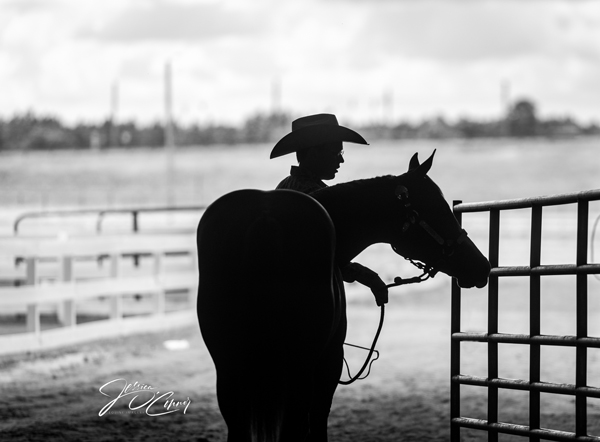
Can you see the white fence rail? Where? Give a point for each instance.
(102, 276)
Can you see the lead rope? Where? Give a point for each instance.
(368, 362)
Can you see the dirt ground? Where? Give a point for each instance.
(55, 396)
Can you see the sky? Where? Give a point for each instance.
(364, 60)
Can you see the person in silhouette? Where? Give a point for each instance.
(318, 141)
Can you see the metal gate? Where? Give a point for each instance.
(534, 339)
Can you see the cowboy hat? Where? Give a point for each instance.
(312, 131)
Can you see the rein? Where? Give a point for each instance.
(368, 362)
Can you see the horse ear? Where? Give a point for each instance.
(423, 168)
(414, 162)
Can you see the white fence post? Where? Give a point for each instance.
(66, 311)
(30, 270)
(33, 318)
(33, 310)
(116, 302)
(156, 271)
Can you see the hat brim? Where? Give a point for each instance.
(312, 136)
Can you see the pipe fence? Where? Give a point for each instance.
(101, 214)
(535, 340)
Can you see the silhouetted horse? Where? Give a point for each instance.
(271, 312)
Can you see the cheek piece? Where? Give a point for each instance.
(412, 220)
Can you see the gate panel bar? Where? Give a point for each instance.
(521, 430)
(493, 322)
(582, 316)
(518, 384)
(455, 351)
(534, 317)
(524, 203)
(506, 338)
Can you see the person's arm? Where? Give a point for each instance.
(359, 273)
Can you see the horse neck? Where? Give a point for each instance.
(359, 213)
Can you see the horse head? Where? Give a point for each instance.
(427, 232)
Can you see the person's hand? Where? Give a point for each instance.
(368, 277)
(380, 290)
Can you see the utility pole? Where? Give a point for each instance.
(505, 96)
(113, 134)
(169, 131)
(387, 102)
(505, 104)
(276, 95)
(169, 136)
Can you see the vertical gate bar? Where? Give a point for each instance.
(535, 255)
(455, 349)
(493, 321)
(494, 237)
(582, 318)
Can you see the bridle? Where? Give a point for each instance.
(412, 219)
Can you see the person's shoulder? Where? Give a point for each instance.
(284, 183)
(298, 184)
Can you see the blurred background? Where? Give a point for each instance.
(383, 62)
(153, 109)
(177, 85)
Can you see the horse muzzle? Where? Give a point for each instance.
(469, 284)
(476, 277)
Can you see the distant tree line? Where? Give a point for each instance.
(521, 120)
(31, 132)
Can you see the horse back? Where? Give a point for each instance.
(265, 262)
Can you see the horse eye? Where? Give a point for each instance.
(401, 192)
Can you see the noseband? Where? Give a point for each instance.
(413, 219)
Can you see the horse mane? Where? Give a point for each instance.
(355, 188)
(351, 187)
(373, 194)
